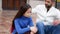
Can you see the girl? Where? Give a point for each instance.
(22, 22)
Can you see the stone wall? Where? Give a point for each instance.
(6, 21)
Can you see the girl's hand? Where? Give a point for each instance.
(31, 32)
(33, 29)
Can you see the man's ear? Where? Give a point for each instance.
(53, 3)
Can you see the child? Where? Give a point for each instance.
(22, 22)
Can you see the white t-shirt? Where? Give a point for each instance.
(46, 17)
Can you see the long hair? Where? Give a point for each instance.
(20, 13)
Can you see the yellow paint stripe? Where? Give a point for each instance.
(58, 0)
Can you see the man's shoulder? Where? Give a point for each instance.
(53, 8)
(56, 10)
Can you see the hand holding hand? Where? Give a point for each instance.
(33, 29)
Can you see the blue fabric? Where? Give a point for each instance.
(57, 30)
(22, 25)
(48, 29)
(40, 27)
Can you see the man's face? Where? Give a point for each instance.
(48, 3)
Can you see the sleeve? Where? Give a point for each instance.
(31, 22)
(58, 14)
(19, 29)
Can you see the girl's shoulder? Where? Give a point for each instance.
(17, 19)
(30, 18)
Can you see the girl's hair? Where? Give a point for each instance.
(20, 13)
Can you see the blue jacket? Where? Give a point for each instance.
(22, 25)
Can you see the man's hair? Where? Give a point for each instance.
(53, 0)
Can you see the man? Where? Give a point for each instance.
(48, 17)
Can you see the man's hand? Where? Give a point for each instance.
(33, 29)
(56, 22)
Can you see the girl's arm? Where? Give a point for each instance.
(31, 22)
(19, 29)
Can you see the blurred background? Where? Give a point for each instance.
(9, 8)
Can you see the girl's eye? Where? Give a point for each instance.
(29, 12)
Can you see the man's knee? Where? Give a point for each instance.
(40, 24)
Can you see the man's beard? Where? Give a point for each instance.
(48, 7)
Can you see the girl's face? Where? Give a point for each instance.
(28, 13)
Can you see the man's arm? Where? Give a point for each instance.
(57, 20)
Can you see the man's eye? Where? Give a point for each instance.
(48, 2)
